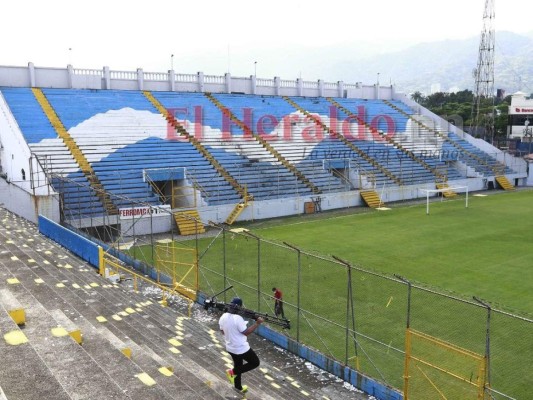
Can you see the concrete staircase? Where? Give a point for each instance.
(188, 222)
(372, 199)
(180, 130)
(131, 346)
(77, 154)
(504, 182)
(446, 193)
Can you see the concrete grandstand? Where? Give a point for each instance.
(92, 149)
(84, 144)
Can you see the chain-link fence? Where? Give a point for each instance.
(427, 344)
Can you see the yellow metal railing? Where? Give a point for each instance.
(430, 362)
(114, 266)
(74, 149)
(195, 142)
(267, 146)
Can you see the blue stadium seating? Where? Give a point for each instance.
(243, 157)
(76, 106)
(121, 172)
(474, 157)
(263, 114)
(122, 134)
(29, 115)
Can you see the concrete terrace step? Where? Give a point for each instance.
(187, 368)
(158, 336)
(21, 365)
(74, 369)
(71, 297)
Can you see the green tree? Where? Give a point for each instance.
(450, 106)
(418, 97)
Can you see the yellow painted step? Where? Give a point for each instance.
(371, 198)
(504, 182)
(12, 306)
(239, 208)
(447, 193)
(188, 222)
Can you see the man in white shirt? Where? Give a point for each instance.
(235, 331)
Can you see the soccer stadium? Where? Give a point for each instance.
(163, 180)
(136, 206)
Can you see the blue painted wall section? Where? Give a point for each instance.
(88, 249)
(362, 382)
(77, 244)
(137, 265)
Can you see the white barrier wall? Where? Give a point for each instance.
(27, 205)
(155, 224)
(80, 78)
(15, 156)
(294, 206)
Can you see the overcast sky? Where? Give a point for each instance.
(270, 38)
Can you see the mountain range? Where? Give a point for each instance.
(449, 63)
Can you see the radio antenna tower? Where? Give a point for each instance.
(484, 76)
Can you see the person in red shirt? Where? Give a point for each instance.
(278, 303)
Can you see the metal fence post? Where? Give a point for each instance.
(224, 276)
(258, 274)
(486, 377)
(152, 248)
(298, 289)
(407, 340)
(258, 239)
(349, 305)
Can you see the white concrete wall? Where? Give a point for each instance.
(280, 207)
(51, 77)
(16, 156)
(295, 205)
(154, 224)
(22, 196)
(80, 78)
(12, 76)
(26, 205)
(87, 79)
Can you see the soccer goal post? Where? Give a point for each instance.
(437, 191)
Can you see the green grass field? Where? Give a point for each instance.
(481, 251)
(484, 250)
